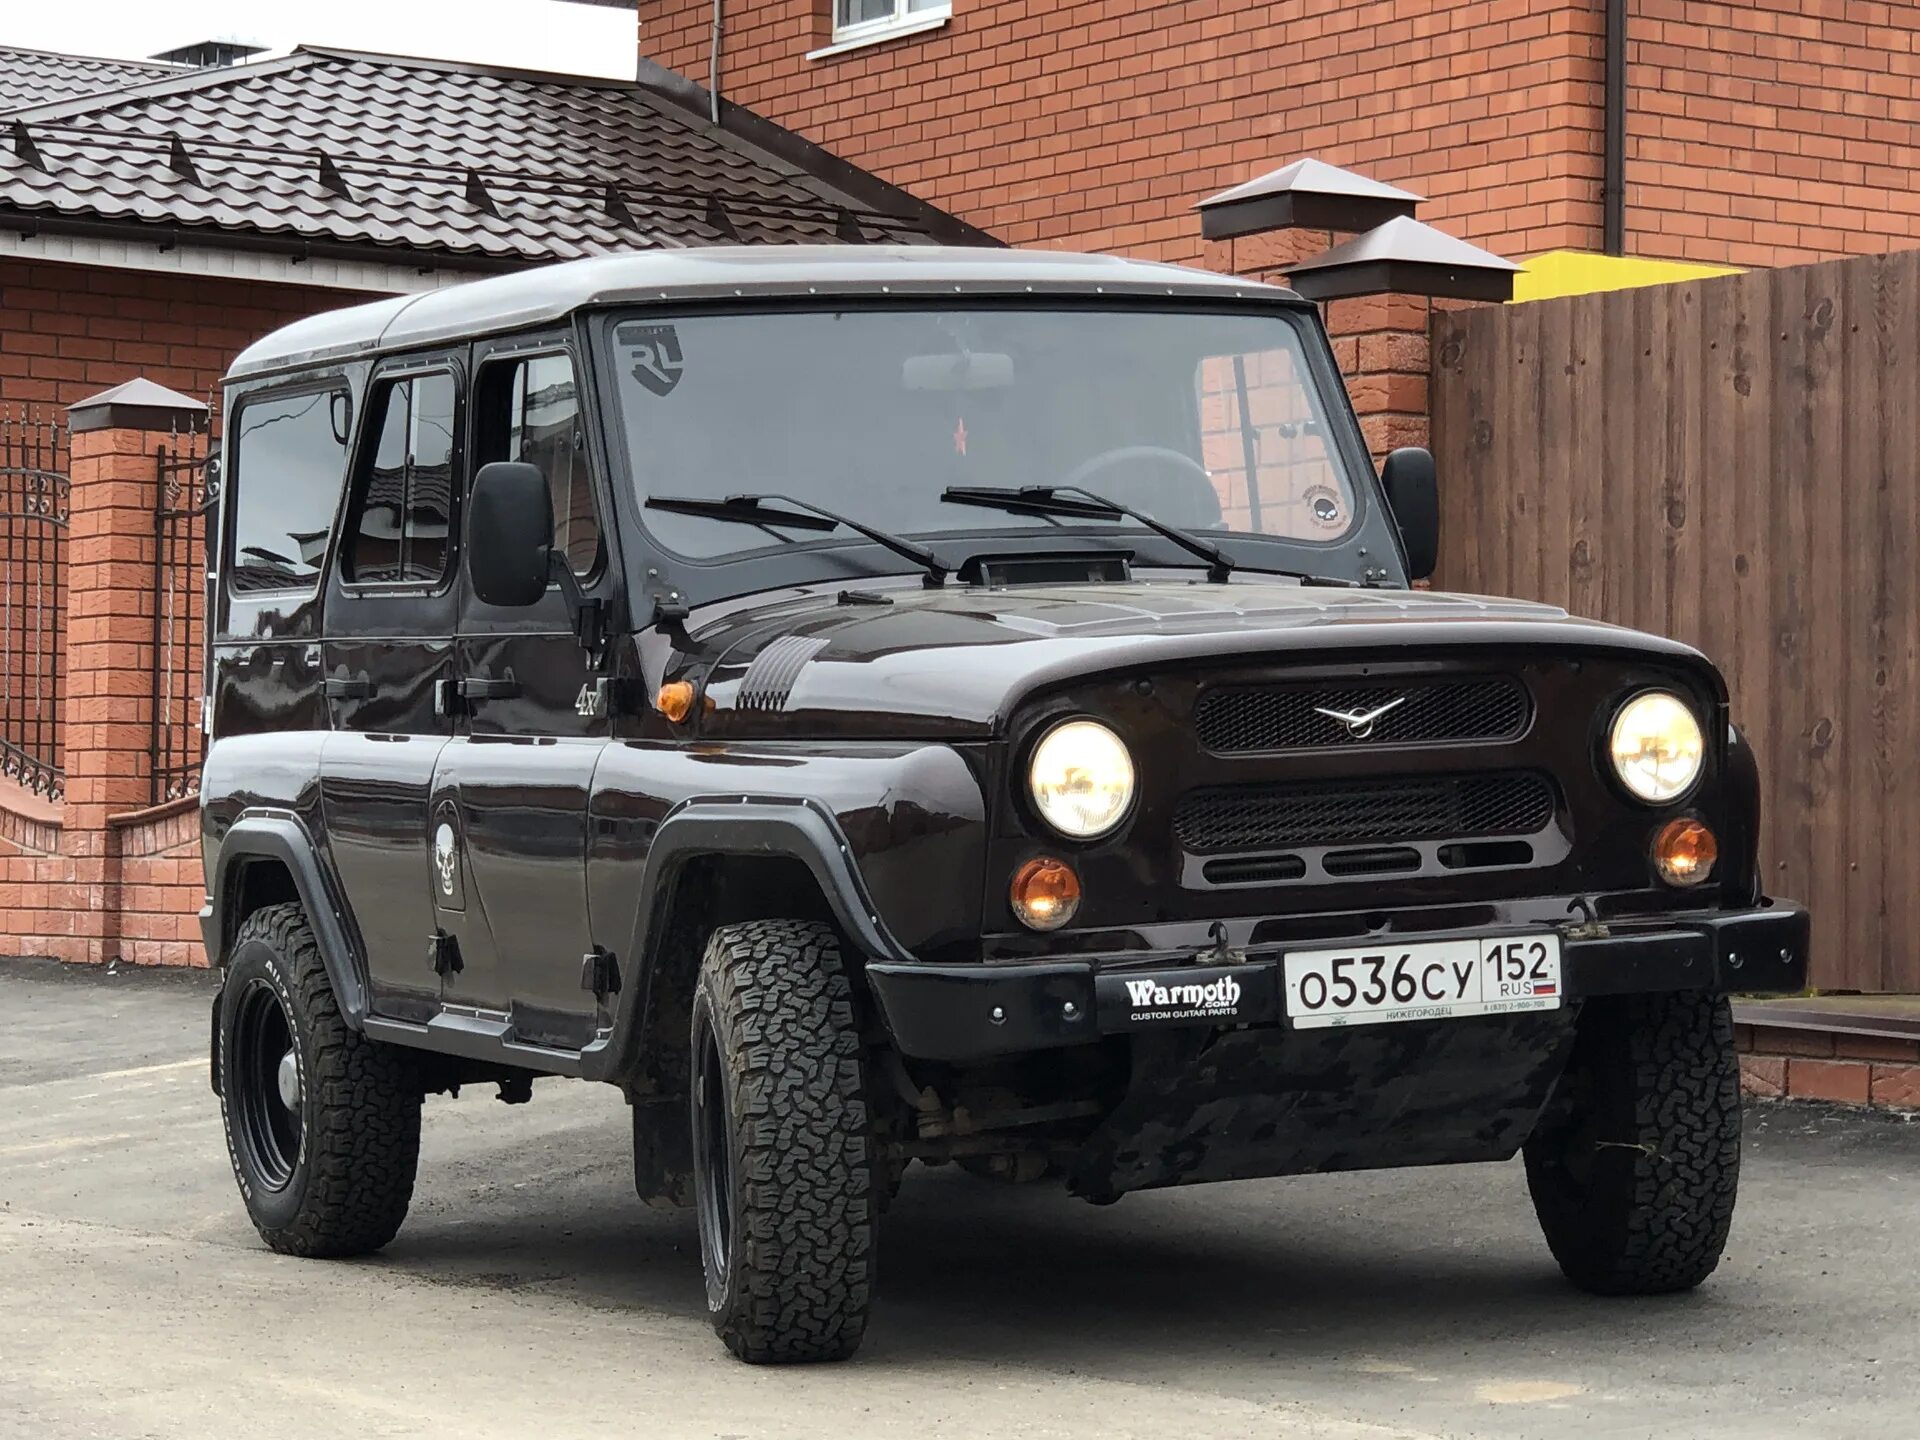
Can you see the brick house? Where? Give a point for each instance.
(1755, 132)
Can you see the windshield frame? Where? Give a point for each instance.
(1369, 551)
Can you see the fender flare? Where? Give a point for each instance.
(793, 828)
(283, 838)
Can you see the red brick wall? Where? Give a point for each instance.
(70, 331)
(1772, 132)
(131, 893)
(1760, 132)
(1778, 1064)
(1096, 124)
(162, 887)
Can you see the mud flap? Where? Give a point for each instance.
(1206, 1105)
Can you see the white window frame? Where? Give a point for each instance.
(901, 23)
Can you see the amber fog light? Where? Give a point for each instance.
(1684, 852)
(1045, 893)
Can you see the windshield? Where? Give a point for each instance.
(1209, 422)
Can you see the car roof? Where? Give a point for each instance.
(724, 272)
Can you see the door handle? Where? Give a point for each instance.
(480, 687)
(347, 687)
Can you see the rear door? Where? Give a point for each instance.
(388, 657)
(534, 719)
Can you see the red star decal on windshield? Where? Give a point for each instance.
(960, 438)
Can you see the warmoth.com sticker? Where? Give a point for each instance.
(1196, 995)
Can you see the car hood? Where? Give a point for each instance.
(954, 663)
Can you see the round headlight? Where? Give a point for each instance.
(1656, 746)
(1081, 778)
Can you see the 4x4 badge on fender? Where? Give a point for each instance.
(1359, 723)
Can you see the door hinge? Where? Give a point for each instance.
(600, 972)
(444, 951)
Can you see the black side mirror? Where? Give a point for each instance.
(1413, 494)
(509, 534)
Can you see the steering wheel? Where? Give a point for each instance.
(1208, 514)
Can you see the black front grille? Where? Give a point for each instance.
(1423, 711)
(1374, 812)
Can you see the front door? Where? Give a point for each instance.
(534, 721)
(387, 653)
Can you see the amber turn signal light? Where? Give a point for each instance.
(1045, 893)
(1684, 852)
(674, 700)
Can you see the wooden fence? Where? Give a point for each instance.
(1734, 462)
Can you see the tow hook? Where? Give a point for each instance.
(1220, 952)
(1590, 927)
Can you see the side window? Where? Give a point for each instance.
(854, 19)
(530, 412)
(289, 460)
(403, 497)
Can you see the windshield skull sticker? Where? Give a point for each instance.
(655, 353)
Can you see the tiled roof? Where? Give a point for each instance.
(38, 77)
(427, 157)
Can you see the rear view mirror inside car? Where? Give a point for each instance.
(968, 370)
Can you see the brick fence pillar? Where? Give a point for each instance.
(107, 602)
(1380, 343)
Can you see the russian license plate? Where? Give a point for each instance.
(1374, 984)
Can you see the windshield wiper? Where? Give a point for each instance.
(751, 510)
(1048, 500)
(1057, 500)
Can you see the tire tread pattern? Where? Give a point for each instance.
(804, 1229)
(1652, 1213)
(364, 1150)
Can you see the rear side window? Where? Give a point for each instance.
(530, 412)
(403, 496)
(289, 460)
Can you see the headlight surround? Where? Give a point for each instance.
(1081, 779)
(1657, 747)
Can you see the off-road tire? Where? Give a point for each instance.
(349, 1184)
(1634, 1181)
(792, 1278)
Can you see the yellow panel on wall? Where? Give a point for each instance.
(1575, 272)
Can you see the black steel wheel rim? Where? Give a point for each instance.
(712, 1155)
(268, 1134)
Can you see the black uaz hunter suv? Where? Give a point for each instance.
(945, 705)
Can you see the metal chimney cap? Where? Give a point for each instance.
(1405, 257)
(1308, 194)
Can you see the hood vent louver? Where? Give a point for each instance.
(770, 678)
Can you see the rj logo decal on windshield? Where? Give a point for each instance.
(655, 353)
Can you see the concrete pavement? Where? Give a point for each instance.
(531, 1294)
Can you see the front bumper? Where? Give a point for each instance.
(975, 1012)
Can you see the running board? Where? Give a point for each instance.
(472, 1038)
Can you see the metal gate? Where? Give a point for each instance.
(33, 535)
(186, 490)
